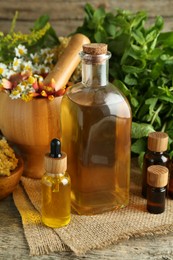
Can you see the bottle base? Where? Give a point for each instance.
(55, 222)
(155, 210)
(91, 203)
(87, 210)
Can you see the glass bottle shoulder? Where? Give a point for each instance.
(160, 157)
(108, 95)
(49, 178)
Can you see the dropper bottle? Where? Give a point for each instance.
(56, 187)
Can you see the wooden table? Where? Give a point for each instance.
(13, 245)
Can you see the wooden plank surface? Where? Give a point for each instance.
(13, 245)
(65, 15)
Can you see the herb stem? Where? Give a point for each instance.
(156, 113)
(163, 127)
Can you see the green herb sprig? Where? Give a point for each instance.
(42, 35)
(141, 66)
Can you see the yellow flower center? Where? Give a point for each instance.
(31, 80)
(16, 63)
(21, 51)
(1, 70)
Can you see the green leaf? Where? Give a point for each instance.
(138, 146)
(151, 36)
(122, 87)
(133, 69)
(138, 36)
(130, 80)
(110, 29)
(141, 159)
(140, 130)
(138, 19)
(151, 102)
(100, 36)
(166, 98)
(165, 39)
(99, 14)
(154, 54)
(156, 70)
(89, 11)
(40, 22)
(159, 23)
(134, 102)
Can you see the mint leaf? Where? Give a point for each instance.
(140, 130)
(139, 146)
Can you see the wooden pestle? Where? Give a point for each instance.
(67, 62)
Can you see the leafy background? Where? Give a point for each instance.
(141, 66)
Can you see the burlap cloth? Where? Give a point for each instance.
(89, 232)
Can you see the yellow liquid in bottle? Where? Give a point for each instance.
(56, 201)
(97, 142)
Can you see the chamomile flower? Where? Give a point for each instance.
(42, 69)
(45, 51)
(16, 64)
(49, 58)
(27, 66)
(15, 93)
(10, 72)
(23, 77)
(35, 58)
(3, 69)
(20, 50)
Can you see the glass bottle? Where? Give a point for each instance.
(155, 155)
(157, 179)
(56, 188)
(96, 134)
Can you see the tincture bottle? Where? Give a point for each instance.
(56, 188)
(96, 134)
(155, 155)
(157, 179)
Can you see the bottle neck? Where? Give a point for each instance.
(95, 69)
(157, 153)
(55, 175)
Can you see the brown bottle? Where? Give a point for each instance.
(157, 179)
(156, 155)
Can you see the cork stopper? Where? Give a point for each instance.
(157, 176)
(158, 141)
(55, 165)
(95, 48)
(55, 161)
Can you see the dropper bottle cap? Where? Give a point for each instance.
(157, 141)
(157, 176)
(55, 161)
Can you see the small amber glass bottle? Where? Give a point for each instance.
(157, 179)
(155, 155)
(56, 188)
